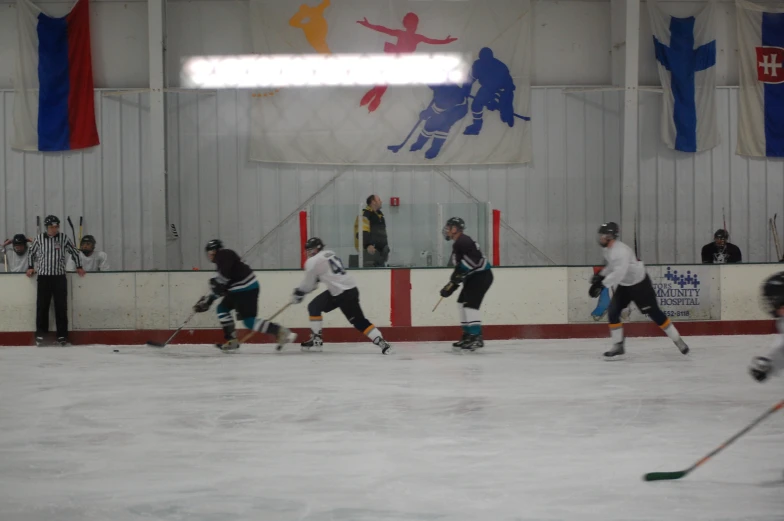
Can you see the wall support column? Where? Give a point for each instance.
(630, 156)
(156, 220)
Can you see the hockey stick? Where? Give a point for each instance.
(437, 303)
(775, 237)
(253, 331)
(659, 476)
(73, 233)
(81, 224)
(38, 223)
(396, 148)
(5, 259)
(157, 344)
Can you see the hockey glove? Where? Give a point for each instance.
(596, 286)
(447, 290)
(218, 287)
(204, 303)
(457, 277)
(760, 368)
(297, 296)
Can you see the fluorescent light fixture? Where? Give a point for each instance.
(313, 70)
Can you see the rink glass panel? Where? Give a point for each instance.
(414, 231)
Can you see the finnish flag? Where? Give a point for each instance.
(686, 55)
(761, 97)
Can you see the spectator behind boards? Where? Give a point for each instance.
(720, 251)
(17, 257)
(374, 234)
(91, 260)
(47, 256)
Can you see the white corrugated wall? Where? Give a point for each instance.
(554, 204)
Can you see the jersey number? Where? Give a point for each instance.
(337, 266)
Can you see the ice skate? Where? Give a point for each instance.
(616, 352)
(229, 346)
(386, 349)
(63, 342)
(682, 347)
(285, 336)
(473, 342)
(460, 343)
(314, 344)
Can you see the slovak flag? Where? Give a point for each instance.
(54, 105)
(686, 54)
(761, 98)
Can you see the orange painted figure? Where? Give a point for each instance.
(312, 22)
(407, 41)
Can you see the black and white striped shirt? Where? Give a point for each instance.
(48, 254)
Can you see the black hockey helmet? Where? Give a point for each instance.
(772, 293)
(19, 240)
(721, 235)
(51, 220)
(453, 221)
(608, 230)
(87, 239)
(214, 245)
(313, 246)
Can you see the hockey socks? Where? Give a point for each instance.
(669, 329)
(315, 325)
(471, 321)
(372, 333)
(616, 333)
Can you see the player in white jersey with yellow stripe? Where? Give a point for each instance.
(625, 271)
(324, 266)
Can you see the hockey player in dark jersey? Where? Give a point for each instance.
(472, 270)
(237, 284)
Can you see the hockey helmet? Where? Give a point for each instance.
(90, 240)
(51, 220)
(313, 246)
(721, 235)
(458, 222)
(772, 293)
(608, 230)
(214, 245)
(19, 243)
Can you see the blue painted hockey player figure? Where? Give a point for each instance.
(449, 105)
(496, 91)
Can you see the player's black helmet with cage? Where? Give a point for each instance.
(772, 293)
(51, 220)
(313, 246)
(721, 237)
(214, 245)
(87, 240)
(453, 221)
(609, 231)
(19, 243)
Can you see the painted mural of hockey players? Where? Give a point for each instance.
(624, 270)
(496, 91)
(236, 283)
(341, 293)
(472, 270)
(449, 105)
(773, 302)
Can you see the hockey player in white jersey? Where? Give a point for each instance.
(634, 285)
(773, 302)
(91, 260)
(324, 266)
(16, 259)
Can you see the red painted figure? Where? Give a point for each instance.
(407, 41)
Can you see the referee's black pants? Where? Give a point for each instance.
(52, 286)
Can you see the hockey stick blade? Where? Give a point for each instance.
(155, 344)
(663, 476)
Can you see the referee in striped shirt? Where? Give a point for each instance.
(48, 254)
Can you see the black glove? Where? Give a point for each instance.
(204, 303)
(218, 287)
(297, 296)
(760, 368)
(457, 277)
(596, 286)
(448, 289)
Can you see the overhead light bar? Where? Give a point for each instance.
(315, 70)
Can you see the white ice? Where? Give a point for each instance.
(525, 430)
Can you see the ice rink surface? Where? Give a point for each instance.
(525, 430)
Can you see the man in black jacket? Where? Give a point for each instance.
(374, 234)
(721, 251)
(48, 254)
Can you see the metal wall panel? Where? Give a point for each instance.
(684, 198)
(551, 207)
(105, 184)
